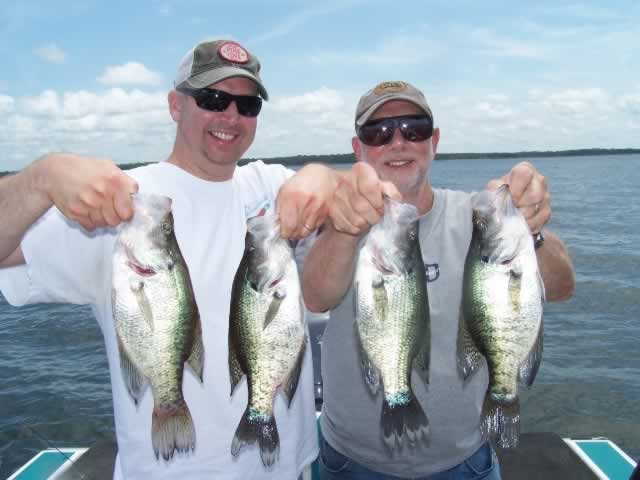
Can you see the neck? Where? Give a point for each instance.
(422, 199)
(199, 166)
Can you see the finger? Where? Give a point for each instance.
(535, 192)
(390, 190)
(368, 185)
(362, 212)
(313, 215)
(86, 223)
(520, 178)
(109, 213)
(123, 205)
(96, 217)
(288, 217)
(342, 224)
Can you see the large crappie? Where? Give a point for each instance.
(156, 319)
(392, 320)
(267, 337)
(501, 314)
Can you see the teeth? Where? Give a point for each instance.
(222, 135)
(399, 163)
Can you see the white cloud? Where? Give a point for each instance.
(126, 125)
(131, 73)
(494, 111)
(577, 101)
(318, 101)
(51, 53)
(45, 104)
(6, 104)
(630, 103)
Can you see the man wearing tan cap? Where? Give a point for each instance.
(215, 104)
(396, 142)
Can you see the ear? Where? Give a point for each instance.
(357, 148)
(176, 102)
(435, 138)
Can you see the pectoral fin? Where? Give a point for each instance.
(133, 378)
(529, 368)
(291, 382)
(371, 373)
(468, 356)
(196, 359)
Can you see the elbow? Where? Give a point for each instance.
(313, 304)
(563, 290)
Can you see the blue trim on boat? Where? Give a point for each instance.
(610, 462)
(47, 463)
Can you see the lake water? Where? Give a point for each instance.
(55, 386)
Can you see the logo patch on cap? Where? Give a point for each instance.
(389, 87)
(233, 52)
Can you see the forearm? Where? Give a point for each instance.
(22, 201)
(328, 269)
(556, 268)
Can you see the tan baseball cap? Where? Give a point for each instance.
(386, 92)
(217, 60)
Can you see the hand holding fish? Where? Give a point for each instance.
(529, 192)
(93, 192)
(302, 202)
(358, 200)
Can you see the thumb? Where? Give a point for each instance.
(390, 190)
(497, 183)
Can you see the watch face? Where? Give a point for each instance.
(538, 240)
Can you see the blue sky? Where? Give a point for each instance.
(92, 76)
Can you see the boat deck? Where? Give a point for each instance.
(539, 456)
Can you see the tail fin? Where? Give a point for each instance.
(172, 429)
(501, 420)
(261, 428)
(403, 419)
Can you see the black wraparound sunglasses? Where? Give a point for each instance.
(414, 128)
(218, 101)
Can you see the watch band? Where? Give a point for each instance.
(538, 240)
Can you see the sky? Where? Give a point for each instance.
(92, 77)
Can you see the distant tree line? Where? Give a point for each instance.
(349, 157)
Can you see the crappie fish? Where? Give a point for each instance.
(501, 314)
(392, 321)
(157, 321)
(267, 337)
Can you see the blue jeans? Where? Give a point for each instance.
(482, 465)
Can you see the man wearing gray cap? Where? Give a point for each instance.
(396, 143)
(215, 104)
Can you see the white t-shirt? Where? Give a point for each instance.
(66, 264)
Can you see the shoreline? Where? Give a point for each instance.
(331, 159)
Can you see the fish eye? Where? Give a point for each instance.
(167, 228)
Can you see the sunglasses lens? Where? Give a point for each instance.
(218, 101)
(249, 106)
(213, 100)
(416, 129)
(375, 134)
(380, 132)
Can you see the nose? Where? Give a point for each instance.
(397, 140)
(231, 113)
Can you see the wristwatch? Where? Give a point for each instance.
(538, 240)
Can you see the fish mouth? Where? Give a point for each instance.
(134, 264)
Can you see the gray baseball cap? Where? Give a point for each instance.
(217, 60)
(386, 92)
